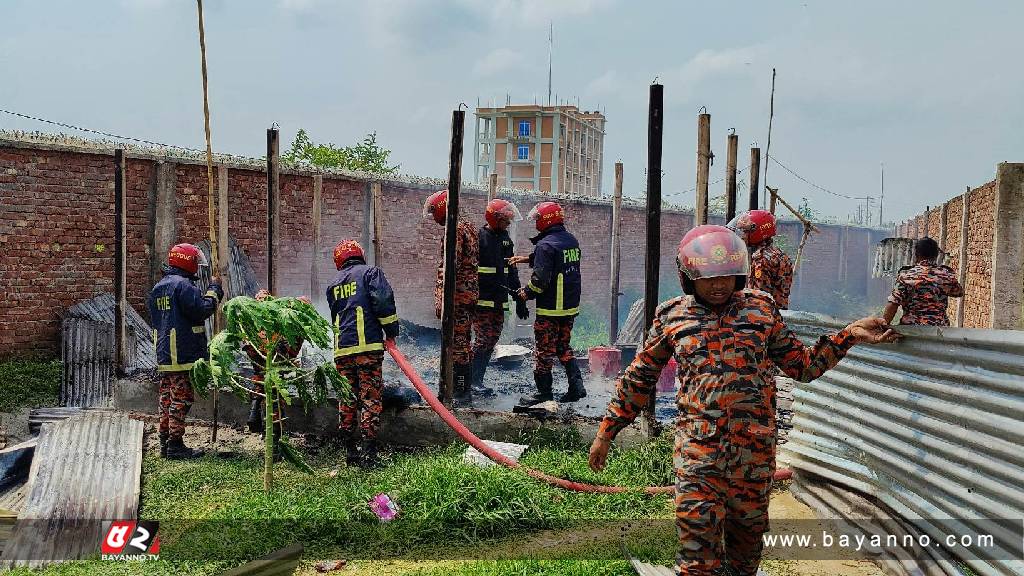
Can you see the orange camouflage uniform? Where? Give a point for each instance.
(467, 291)
(923, 290)
(724, 454)
(771, 270)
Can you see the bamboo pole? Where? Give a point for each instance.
(210, 210)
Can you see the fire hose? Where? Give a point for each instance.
(474, 441)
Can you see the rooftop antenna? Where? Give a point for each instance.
(551, 42)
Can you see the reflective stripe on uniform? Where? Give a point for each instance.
(174, 366)
(485, 303)
(201, 329)
(559, 302)
(388, 319)
(212, 294)
(362, 346)
(568, 312)
(486, 270)
(534, 288)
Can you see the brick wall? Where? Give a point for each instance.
(977, 301)
(56, 235)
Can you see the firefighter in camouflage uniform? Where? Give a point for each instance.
(179, 311)
(364, 314)
(497, 279)
(467, 258)
(556, 285)
(724, 339)
(924, 289)
(771, 270)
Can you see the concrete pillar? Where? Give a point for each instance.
(1008, 247)
(165, 229)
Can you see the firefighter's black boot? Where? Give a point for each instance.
(255, 421)
(480, 362)
(462, 385)
(369, 457)
(543, 381)
(176, 450)
(576, 388)
(351, 450)
(163, 444)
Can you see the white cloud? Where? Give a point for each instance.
(603, 85)
(535, 12)
(498, 61)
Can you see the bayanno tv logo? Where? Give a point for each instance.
(130, 540)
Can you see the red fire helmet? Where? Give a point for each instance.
(187, 257)
(499, 210)
(546, 215)
(436, 206)
(710, 251)
(346, 249)
(754, 226)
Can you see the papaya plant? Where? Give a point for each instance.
(271, 326)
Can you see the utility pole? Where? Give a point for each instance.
(655, 123)
(768, 148)
(882, 195)
(613, 312)
(755, 174)
(451, 225)
(703, 166)
(730, 176)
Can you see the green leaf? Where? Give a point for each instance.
(289, 453)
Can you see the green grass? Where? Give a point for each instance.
(216, 508)
(28, 383)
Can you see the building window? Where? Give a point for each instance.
(524, 127)
(523, 151)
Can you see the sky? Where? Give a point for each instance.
(932, 90)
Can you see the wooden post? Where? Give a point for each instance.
(120, 261)
(732, 147)
(314, 261)
(273, 208)
(223, 244)
(962, 264)
(613, 312)
(375, 192)
(655, 123)
(755, 174)
(451, 225)
(492, 186)
(703, 166)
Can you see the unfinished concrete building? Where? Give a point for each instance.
(544, 148)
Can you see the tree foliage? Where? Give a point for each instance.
(272, 326)
(366, 156)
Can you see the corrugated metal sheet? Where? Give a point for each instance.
(891, 254)
(830, 501)
(243, 278)
(37, 417)
(87, 350)
(86, 469)
(932, 427)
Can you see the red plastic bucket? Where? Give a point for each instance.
(605, 361)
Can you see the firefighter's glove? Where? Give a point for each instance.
(521, 310)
